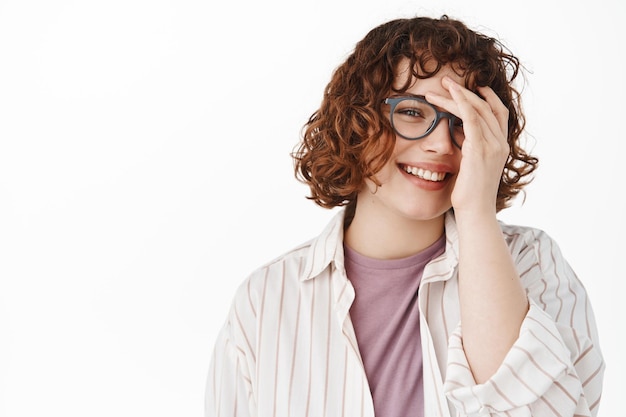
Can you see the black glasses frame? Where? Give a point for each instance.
(452, 119)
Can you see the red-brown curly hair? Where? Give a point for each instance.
(349, 139)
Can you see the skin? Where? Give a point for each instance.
(406, 214)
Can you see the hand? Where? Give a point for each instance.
(485, 148)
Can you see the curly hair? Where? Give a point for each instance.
(348, 139)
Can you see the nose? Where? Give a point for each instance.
(438, 140)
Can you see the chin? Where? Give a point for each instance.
(424, 213)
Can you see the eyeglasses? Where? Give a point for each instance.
(413, 118)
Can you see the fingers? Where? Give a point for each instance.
(474, 110)
(498, 108)
(489, 115)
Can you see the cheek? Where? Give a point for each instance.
(385, 174)
(402, 148)
(390, 168)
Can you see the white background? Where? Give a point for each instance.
(145, 171)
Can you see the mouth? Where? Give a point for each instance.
(424, 174)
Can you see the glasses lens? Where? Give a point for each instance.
(412, 118)
(456, 129)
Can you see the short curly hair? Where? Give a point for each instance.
(349, 139)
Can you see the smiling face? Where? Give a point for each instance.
(418, 179)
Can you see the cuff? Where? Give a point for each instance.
(536, 360)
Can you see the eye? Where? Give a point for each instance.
(414, 111)
(458, 132)
(410, 112)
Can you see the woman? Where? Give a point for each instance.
(415, 300)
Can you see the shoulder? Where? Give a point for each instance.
(283, 277)
(262, 289)
(541, 264)
(285, 269)
(536, 253)
(289, 265)
(524, 237)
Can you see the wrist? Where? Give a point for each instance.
(475, 215)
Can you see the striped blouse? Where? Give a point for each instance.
(288, 346)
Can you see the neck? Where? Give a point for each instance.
(391, 237)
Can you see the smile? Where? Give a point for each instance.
(424, 173)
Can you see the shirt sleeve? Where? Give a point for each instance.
(228, 389)
(555, 367)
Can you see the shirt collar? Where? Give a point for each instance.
(443, 267)
(327, 248)
(452, 237)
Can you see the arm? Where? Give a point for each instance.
(555, 367)
(523, 347)
(228, 387)
(492, 300)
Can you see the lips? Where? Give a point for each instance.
(424, 174)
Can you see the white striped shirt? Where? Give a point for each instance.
(288, 347)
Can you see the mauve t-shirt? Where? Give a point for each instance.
(385, 316)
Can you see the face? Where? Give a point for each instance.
(418, 180)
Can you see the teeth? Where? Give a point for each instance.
(425, 174)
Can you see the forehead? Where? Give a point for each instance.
(404, 73)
